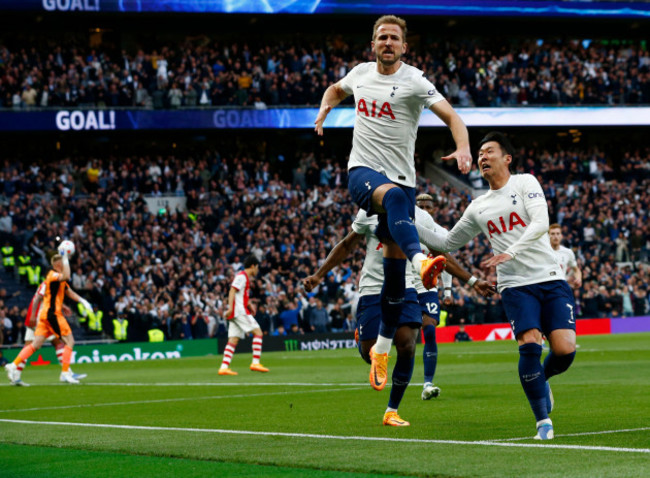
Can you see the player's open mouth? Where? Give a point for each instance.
(485, 167)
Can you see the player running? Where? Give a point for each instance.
(369, 309)
(429, 299)
(536, 296)
(565, 256)
(390, 96)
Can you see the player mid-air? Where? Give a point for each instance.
(389, 98)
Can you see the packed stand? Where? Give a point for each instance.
(202, 72)
(172, 271)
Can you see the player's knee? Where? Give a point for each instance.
(395, 198)
(530, 336)
(428, 320)
(405, 350)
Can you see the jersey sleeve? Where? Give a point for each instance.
(348, 81)
(426, 92)
(362, 223)
(239, 282)
(535, 204)
(41, 289)
(464, 231)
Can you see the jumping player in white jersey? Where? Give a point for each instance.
(31, 321)
(566, 257)
(369, 308)
(390, 97)
(241, 320)
(536, 296)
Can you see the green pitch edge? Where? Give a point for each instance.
(19, 461)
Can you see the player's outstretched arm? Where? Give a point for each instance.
(334, 94)
(481, 286)
(334, 258)
(77, 298)
(444, 111)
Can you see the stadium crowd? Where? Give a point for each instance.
(202, 72)
(172, 270)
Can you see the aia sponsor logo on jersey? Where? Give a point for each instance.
(500, 226)
(385, 110)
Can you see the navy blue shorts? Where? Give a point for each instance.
(369, 314)
(362, 182)
(430, 304)
(546, 306)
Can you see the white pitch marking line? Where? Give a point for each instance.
(329, 437)
(167, 400)
(203, 384)
(604, 432)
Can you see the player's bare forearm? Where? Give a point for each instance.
(455, 269)
(66, 268)
(340, 252)
(337, 255)
(459, 132)
(72, 295)
(333, 95)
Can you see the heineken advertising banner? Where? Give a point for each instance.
(128, 351)
(123, 352)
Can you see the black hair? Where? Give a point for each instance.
(502, 139)
(250, 261)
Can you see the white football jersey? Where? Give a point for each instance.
(566, 258)
(372, 273)
(424, 219)
(388, 110)
(515, 220)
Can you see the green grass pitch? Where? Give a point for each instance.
(315, 414)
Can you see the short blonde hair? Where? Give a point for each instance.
(554, 226)
(424, 197)
(56, 257)
(392, 20)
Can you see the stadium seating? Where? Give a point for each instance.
(203, 72)
(172, 270)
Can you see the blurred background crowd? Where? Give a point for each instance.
(172, 270)
(200, 71)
